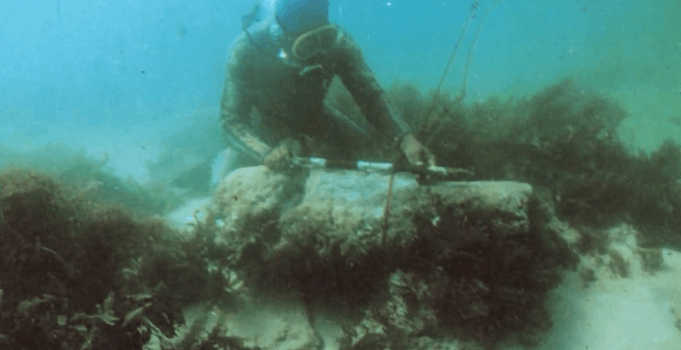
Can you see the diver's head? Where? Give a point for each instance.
(306, 28)
(299, 16)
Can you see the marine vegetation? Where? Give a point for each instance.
(564, 142)
(80, 270)
(77, 274)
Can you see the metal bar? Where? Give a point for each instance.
(433, 173)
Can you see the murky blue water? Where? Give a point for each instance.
(139, 82)
(113, 75)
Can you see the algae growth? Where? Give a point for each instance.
(79, 273)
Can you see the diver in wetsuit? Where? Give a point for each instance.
(278, 74)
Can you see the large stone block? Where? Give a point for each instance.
(346, 209)
(475, 255)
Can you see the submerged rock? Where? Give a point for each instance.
(475, 258)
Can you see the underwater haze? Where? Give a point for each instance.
(117, 77)
(579, 99)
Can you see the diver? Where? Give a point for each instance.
(278, 74)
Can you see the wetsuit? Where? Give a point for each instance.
(267, 97)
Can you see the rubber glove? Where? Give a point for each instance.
(281, 158)
(416, 153)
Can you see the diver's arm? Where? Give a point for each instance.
(366, 91)
(236, 105)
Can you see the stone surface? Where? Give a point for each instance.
(347, 207)
(250, 195)
(469, 257)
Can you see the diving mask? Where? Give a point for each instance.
(315, 41)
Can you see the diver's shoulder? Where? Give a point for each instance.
(345, 40)
(239, 43)
(339, 28)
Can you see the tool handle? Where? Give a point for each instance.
(432, 172)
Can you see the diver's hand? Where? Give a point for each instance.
(281, 158)
(416, 153)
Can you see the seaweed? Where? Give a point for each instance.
(91, 178)
(78, 274)
(485, 285)
(563, 140)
